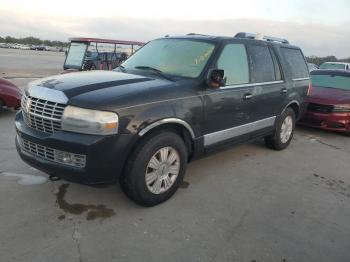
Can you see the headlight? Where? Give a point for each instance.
(89, 121)
(341, 108)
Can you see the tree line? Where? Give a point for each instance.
(319, 60)
(30, 40)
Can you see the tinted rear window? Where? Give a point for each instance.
(332, 66)
(261, 64)
(295, 62)
(331, 81)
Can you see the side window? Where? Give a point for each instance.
(295, 62)
(234, 61)
(261, 64)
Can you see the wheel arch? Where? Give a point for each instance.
(178, 126)
(295, 105)
(168, 122)
(175, 125)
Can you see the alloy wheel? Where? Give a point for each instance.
(162, 170)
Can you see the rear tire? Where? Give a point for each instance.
(284, 131)
(155, 169)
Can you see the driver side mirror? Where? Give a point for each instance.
(216, 78)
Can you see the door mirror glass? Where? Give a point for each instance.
(216, 78)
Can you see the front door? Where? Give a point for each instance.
(228, 110)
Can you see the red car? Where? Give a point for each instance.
(10, 95)
(329, 101)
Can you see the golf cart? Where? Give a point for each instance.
(97, 54)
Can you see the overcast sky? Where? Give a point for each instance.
(320, 27)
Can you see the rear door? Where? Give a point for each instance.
(269, 87)
(296, 74)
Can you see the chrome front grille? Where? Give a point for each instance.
(58, 156)
(42, 115)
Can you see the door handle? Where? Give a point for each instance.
(284, 91)
(247, 96)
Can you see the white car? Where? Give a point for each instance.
(24, 47)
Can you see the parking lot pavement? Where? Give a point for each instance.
(28, 63)
(248, 203)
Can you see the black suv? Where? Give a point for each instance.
(174, 100)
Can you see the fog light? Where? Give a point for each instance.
(68, 158)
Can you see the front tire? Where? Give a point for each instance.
(2, 105)
(155, 169)
(347, 134)
(284, 131)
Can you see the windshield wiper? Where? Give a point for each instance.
(122, 68)
(157, 71)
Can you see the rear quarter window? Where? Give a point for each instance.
(295, 62)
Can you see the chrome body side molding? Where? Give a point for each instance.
(168, 121)
(301, 79)
(252, 84)
(213, 138)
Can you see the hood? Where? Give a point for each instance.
(78, 83)
(329, 96)
(105, 90)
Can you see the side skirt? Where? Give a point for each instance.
(227, 134)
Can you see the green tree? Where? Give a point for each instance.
(30, 40)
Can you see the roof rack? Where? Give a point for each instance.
(261, 37)
(197, 34)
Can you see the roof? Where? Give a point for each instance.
(105, 41)
(335, 72)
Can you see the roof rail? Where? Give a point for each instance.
(196, 34)
(261, 37)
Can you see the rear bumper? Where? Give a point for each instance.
(339, 122)
(105, 155)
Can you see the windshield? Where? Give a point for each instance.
(179, 57)
(332, 66)
(75, 56)
(331, 81)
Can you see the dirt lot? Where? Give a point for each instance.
(245, 204)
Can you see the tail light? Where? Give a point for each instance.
(309, 90)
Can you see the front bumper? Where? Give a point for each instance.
(104, 155)
(334, 121)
